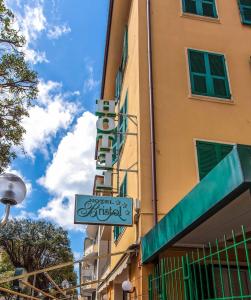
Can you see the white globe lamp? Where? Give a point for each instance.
(12, 192)
(127, 286)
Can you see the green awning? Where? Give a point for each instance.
(230, 178)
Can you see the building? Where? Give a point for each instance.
(180, 74)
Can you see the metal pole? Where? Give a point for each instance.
(17, 293)
(152, 120)
(63, 265)
(38, 290)
(6, 216)
(54, 283)
(124, 295)
(34, 283)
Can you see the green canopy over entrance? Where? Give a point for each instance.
(223, 185)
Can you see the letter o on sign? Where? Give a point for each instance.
(105, 124)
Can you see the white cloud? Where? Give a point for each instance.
(10, 3)
(77, 255)
(45, 90)
(35, 57)
(71, 171)
(90, 83)
(58, 30)
(52, 113)
(23, 214)
(31, 22)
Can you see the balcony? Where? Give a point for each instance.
(88, 272)
(89, 286)
(90, 251)
(91, 231)
(88, 275)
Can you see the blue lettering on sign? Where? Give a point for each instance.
(103, 210)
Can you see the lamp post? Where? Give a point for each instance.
(12, 192)
(127, 288)
(66, 285)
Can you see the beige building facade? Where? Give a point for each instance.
(180, 73)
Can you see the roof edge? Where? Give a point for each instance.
(108, 31)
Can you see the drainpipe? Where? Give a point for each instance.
(152, 123)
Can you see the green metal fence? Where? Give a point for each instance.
(218, 271)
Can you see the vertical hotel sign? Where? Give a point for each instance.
(99, 209)
(105, 137)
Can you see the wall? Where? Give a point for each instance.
(180, 119)
(130, 85)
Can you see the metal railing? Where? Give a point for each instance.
(219, 271)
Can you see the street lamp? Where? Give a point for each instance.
(12, 192)
(65, 284)
(127, 288)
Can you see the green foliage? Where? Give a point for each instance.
(35, 245)
(18, 86)
(6, 270)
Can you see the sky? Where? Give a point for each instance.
(65, 45)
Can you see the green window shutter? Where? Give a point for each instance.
(115, 148)
(205, 8)
(209, 155)
(123, 187)
(245, 11)
(123, 123)
(122, 193)
(120, 138)
(208, 74)
(219, 75)
(118, 84)
(116, 233)
(208, 8)
(190, 6)
(198, 72)
(125, 49)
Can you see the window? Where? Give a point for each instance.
(123, 188)
(118, 84)
(117, 231)
(245, 11)
(122, 123)
(122, 128)
(205, 8)
(120, 73)
(209, 155)
(208, 74)
(122, 193)
(125, 50)
(114, 148)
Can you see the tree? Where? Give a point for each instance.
(6, 270)
(18, 86)
(35, 245)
